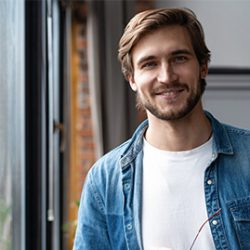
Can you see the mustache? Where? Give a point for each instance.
(171, 87)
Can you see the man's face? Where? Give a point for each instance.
(167, 73)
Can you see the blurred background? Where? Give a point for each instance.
(64, 102)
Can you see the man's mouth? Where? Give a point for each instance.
(170, 91)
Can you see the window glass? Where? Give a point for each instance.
(12, 125)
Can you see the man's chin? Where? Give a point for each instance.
(169, 115)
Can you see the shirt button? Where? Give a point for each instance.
(127, 186)
(129, 226)
(209, 182)
(215, 222)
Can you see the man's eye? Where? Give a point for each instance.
(148, 65)
(180, 59)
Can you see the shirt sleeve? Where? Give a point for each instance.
(91, 232)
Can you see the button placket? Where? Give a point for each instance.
(214, 222)
(127, 186)
(129, 226)
(209, 182)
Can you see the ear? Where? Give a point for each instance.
(132, 83)
(204, 70)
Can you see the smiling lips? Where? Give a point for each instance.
(170, 93)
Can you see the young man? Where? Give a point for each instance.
(183, 180)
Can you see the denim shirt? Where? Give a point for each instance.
(109, 215)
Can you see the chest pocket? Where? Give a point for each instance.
(240, 211)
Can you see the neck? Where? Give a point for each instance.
(179, 135)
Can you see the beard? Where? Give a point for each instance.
(177, 113)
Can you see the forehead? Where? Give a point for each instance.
(162, 41)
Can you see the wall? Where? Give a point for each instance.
(226, 28)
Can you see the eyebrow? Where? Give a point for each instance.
(181, 51)
(145, 59)
(173, 53)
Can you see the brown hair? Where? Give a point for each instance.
(150, 20)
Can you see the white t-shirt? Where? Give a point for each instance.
(173, 201)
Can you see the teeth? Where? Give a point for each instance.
(172, 91)
(169, 93)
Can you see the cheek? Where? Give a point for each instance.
(190, 75)
(144, 80)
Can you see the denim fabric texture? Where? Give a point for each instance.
(109, 215)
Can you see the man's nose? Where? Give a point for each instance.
(167, 74)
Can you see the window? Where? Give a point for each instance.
(12, 195)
